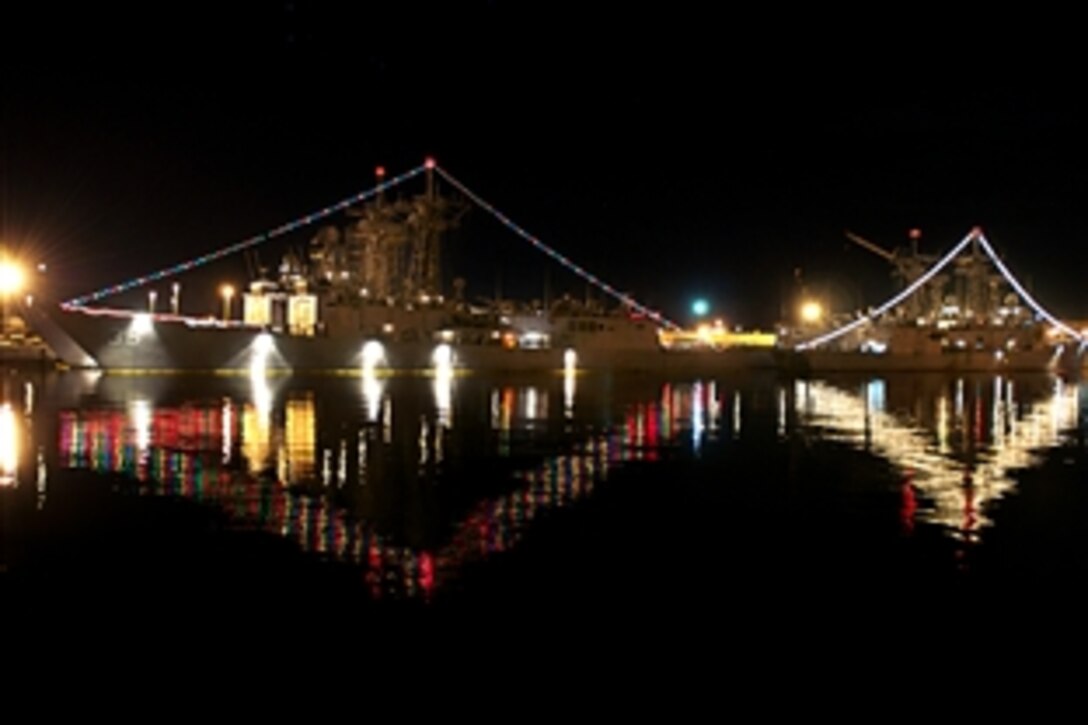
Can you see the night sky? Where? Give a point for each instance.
(674, 151)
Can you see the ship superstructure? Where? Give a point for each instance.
(957, 312)
(378, 275)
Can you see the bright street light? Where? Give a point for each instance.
(228, 294)
(11, 277)
(11, 282)
(812, 311)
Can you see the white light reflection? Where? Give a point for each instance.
(698, 420)
(736, 414)
(373, 356)
(570, 360)
(781, 417)
(569, 370)
(997, 413)
(228, 429)
(531, 406)
(28, 398)
(257, 420)
(959, 492)
(141, 325)
(140, 415)
(373, 388)
(496, 409)
(443, 384)
(1058, 415)
(387, 420)
(342, 464)
(424, 429)
(262, 396)
(9, 446)
(1010, 405)
(714, 406)
(942, 425)
(443, 400)
(569, 389)
(874, 391)
(42, 477)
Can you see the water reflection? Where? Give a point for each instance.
(698, 417)
(443, 396)
(41, 477)
(256, 434)
(299, 448)
(140, 422)
(9, 446)
(372, 395)
(953, 463)
(736, 414)
(184, 449)
(464, 471)
(569, 388)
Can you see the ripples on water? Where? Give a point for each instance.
(957, 443)
(417, 486)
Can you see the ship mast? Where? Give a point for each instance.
(432, 276)
(376, 241)
(431, 215)
(393, 250)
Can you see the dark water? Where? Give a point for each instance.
(753, 495)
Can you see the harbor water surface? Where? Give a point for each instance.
(580, 493)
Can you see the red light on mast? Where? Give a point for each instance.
(915, 233)
(429, 163)
(379, 171)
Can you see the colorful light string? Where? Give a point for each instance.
(1024, 294)
(905, 293)
(974, 235)
(557, 256)
(279, 231)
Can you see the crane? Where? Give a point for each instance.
(909, 266)
(874, 248)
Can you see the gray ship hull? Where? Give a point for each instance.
(115, 344)
(119, 344)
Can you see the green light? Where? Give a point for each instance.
(700, 307)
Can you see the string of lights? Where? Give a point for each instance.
(1024, 294)
(563, 260)
(905, 293)
(279, 231)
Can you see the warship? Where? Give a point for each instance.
(958, 313)
(368, 294)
